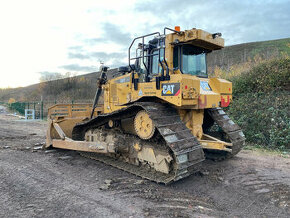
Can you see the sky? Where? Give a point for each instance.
(59, 36)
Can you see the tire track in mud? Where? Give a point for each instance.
(167, 203)
(249, 192)
(56, 187)
(272, 189)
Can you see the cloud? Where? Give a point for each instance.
(112, 33)
(89, 32)
(76, 67)
(166, 7)
(76, 48)
(239, 21)
(101, 55)
(106, 56)
(78, 56)
(115, 58)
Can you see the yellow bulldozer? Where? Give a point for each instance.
(160, 116)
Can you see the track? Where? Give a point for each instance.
(186, 149)
(232, 131)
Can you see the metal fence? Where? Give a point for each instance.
(40, 107)
(20, 107)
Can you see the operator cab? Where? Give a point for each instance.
(189, 59)
(186, 50)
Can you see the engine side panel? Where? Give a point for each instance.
(182, 91)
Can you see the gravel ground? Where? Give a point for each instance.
(61, 183)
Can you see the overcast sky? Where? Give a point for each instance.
(74, 36)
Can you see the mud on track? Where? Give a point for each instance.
(59, 183)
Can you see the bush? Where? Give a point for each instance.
(261, 104)
(264, 118)
(269, 76)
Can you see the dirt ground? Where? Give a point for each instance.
(61, 183)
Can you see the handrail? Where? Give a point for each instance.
(129, 50)
(166, 28)
(167, 77)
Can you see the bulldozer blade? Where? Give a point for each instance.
(79, 145)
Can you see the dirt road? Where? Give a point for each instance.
(59, 183)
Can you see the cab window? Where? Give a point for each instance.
(190, 60)
(155, 66)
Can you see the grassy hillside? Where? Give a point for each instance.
(78, 88)
(248, 52)
(262, 103)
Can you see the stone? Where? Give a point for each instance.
(263, 190)
(30, 205)
(204, 173)
(108, 181)
(139, 182)
(37, 148)
(49, 151)
(65, 157)
(104, 187)
(38, 144)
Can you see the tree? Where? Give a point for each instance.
(50, 76)
(11, 100)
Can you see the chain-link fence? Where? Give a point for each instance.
(40, 107)
(20, 107)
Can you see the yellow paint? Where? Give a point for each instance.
(193, 120)
(209, 142)
(144, 126)
(191, 95)
(137, 147)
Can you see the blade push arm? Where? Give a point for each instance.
(102, 80)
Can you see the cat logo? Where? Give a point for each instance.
(170, 89)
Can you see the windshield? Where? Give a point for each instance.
(192, 61)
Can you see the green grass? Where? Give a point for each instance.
(281, 46)
(248, 52)
(264, 150)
